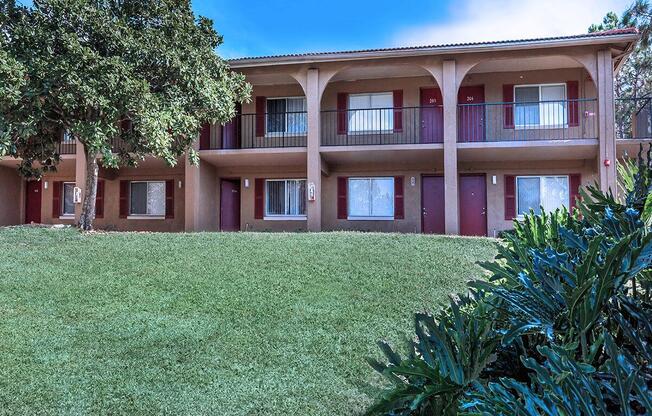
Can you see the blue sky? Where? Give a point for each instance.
(257, 27)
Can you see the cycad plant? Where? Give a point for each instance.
(563, 325)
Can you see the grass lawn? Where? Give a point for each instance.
(225, 324)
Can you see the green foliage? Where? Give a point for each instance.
(634, 80)
(92, 67)
(568, 315)
(450, 351)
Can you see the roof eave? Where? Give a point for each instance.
(397, 53)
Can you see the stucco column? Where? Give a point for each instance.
(80, 175)
(191, 193)
(607, 136)
(313, 155)
(449, 95)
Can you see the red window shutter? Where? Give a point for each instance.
(259, 198)
(205, 137)
(124, 199)
(510, 197)
(399, 200)
(398, 111)
(508, 97)
(99, 199)
(57, 190)
(572, 95)
(574, 182)
(261, 110)
(342, 113)
(169, 198)
(342, 194)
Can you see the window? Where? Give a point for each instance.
(68, 201)
(371, 198)
(147, 198)
(371, 112)
(535, 192)
(67, 137)
(286, 116)
(285, 198)
(540, 106)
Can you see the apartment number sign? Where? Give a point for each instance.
(312, 192)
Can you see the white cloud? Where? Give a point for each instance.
(481, 20)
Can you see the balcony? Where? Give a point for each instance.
(260, 131)
(383, 126)
(67, 147)
(527, 121)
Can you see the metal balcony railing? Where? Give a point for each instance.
(382, 126)
(527, 121)
(262, 130)
(67, 147)
(634, 118)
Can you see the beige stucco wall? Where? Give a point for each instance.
(412, 202)
(412, 221)
(411, 86)
(11, 200)
(495, 193)
(112, 220)
(247, 220)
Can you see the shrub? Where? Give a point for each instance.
(563, 325)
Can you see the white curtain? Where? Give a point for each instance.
(156, 198)
(553, 107)
(554, 192)
(528, 195)
(297, 121)
(371, 112)
(371, 197)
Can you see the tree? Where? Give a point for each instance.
(634, 81)
(142, 71)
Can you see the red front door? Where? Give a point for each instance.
(473, 205)
(432, 116)
(471, 114)
(33, 202)
(230, 205)
(432, 205)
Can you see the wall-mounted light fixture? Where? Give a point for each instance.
(45, 185)
(607, 162)
(413, 181)
(179, 184)
(246, 183)
(493, 179)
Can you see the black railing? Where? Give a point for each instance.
(634, 118)
(67, 147)
(382, 126)
(526, 121)
(261, 130)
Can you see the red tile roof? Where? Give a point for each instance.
(606, 33)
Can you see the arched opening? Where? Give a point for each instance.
(527, 99)
(276, 116)
(381, 104)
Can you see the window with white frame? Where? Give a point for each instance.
(147, 198)
(540, 106)
(67, 137)
(286, 115)
(371, 198)
(537, 192)
(285, 198)
(371, 112)
(68, 199)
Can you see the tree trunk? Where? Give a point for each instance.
(90, 191)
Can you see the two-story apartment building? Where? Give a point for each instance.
(457, 139)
